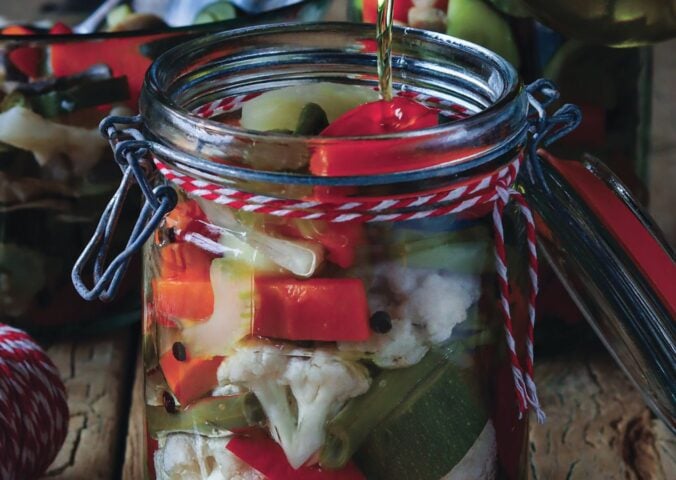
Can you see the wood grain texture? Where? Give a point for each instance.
(133, 455)
(598, 426)
(95, 372)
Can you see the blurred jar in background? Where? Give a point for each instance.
(611, 85)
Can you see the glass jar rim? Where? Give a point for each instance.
(155, 95)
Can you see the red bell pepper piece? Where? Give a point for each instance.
(265, 456)
(122, 55)
(60, 29)
(369, 157)
(183, 289)
(322, 309)
(191, 378)
(190, 300)
(184, 261)
(401, 114)
(29, 60)
(26, 59)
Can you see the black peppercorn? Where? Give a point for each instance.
(178, 349)
(380, 322)
(169, 402)
(166, 235)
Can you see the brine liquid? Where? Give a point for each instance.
(611, 22)
(384, 39)
(428, 391)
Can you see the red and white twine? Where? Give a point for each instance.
(490, 189)
(33, 408)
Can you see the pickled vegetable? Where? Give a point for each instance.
(189, 378)
(280, 109)
(212, 416)
(320, 309)
(231, 288)
(215, 12)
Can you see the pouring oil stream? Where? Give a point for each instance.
(384, 41)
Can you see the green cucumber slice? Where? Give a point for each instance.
(429, 433)
(416, 422)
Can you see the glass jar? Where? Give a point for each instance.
(331, 346)
(354, 323)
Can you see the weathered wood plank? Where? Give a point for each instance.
(598, 425)
(96, 375)
(133, 455)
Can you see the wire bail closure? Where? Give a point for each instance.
(546, 129)
(131, 151)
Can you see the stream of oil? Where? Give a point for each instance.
(384, 41)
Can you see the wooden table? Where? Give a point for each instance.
(598, 426)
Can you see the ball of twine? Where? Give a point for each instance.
(33, 408)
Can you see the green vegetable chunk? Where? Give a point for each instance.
(89, 93)
(476, 22)
(312, 120)
(208, 417)
(428, 414)
(118, 15)
(215, 12)
(463, 251)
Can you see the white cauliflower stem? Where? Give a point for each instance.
(192, 457)
(320, 385)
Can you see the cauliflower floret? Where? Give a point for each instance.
(440, 303)
(480, 460)
(193, 457)
(225, 390)
(424, 305)
(402, 346)
(320, 385)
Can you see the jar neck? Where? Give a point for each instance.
(252, 60)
